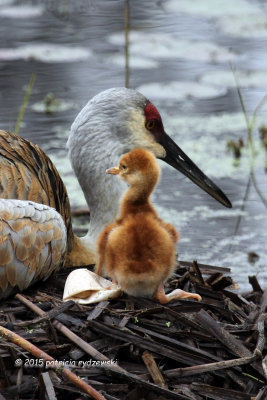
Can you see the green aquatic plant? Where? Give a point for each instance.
(250, 122)
(24, 104)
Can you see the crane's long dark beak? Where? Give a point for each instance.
(180, 161)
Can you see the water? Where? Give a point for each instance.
(179, 57)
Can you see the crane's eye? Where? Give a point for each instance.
(150, 124)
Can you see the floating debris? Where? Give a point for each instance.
(214, 8)
(247, 26)
(263, 135)
(171, 46)
(180, 91)
(253, 257)
(235, 147)
(251, 79)
(21, 11)
(52, 104)
(45, 52)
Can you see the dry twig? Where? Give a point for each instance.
(26, 345)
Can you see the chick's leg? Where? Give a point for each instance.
(174, 295)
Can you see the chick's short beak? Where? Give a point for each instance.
(113, 171)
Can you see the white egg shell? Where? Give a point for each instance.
(86, 287)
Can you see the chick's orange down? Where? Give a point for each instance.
(138, 250)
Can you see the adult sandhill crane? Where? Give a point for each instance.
(111, 124)
(34, 239)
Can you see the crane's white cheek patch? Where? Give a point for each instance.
(141, 137)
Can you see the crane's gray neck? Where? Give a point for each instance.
(102, 192)
(97, 140)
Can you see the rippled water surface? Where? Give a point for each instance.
(179, 55)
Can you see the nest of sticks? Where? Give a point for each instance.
(134, 348)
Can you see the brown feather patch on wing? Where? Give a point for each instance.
(27, 173)
(33, 245)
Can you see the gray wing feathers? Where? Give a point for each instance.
(32, 243)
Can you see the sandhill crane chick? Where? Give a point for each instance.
(138, 250)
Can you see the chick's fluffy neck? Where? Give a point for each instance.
(137, 197)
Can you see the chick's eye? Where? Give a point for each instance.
(150, 124)
(123, 166)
